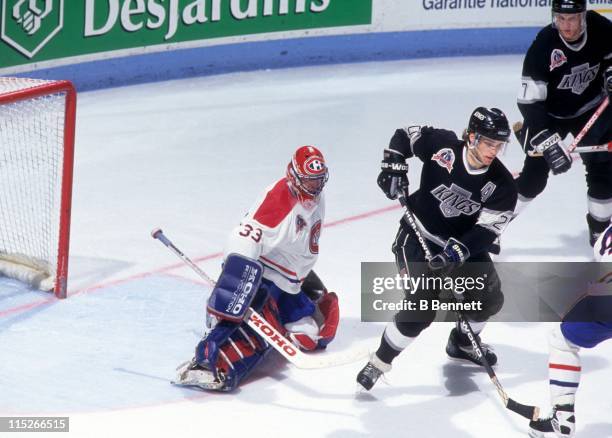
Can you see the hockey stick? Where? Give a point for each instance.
(606, 147)
(527, 411)
(600, 109)
(573, 148)
(259, 324)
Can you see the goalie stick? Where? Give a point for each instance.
(527, 411)
(259, 324)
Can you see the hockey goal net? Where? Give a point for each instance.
(37, 121)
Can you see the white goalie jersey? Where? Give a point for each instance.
(282, 233)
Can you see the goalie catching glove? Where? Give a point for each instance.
(311, 333)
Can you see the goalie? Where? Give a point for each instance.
(268, 266)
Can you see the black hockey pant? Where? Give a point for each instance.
(532, 180)
(410, 259)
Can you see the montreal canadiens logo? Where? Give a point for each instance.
(314, 166)
(557, 59)
(315, 232)
(445, 158)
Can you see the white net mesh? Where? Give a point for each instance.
(31, 165)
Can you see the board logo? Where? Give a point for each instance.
(28, 25)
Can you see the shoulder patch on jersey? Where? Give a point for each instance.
(445, 158)
(413, 132)
(487, 191)
(557, 59)
(276, 206)
(300, 224)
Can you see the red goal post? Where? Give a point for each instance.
(37, 129)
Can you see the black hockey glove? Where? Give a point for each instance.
(393, 177)
(556, 156)
(452, 256)
(608, 80)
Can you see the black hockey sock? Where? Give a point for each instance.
(596, 227)
(386, 352)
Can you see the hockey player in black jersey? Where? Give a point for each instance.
(465, 200)
(567, 73)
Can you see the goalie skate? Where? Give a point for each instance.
(192, 375)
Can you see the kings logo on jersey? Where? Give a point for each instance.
(557, 59)
(315, 233)
(579, 79)
(455, 201)
(445, 158)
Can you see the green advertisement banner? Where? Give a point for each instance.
(41, 30)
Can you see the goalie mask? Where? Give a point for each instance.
(307, 173)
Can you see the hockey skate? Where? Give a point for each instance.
(460, 348)
(369, 374)
(561, 423)
(191, 374)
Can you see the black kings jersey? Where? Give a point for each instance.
(454, 200)
(560, 81)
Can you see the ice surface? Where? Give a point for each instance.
(190, 156)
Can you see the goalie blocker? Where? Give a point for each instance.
(231, 350)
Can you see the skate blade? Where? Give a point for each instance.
(208, 386)
(537, 434)
(203, 379)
